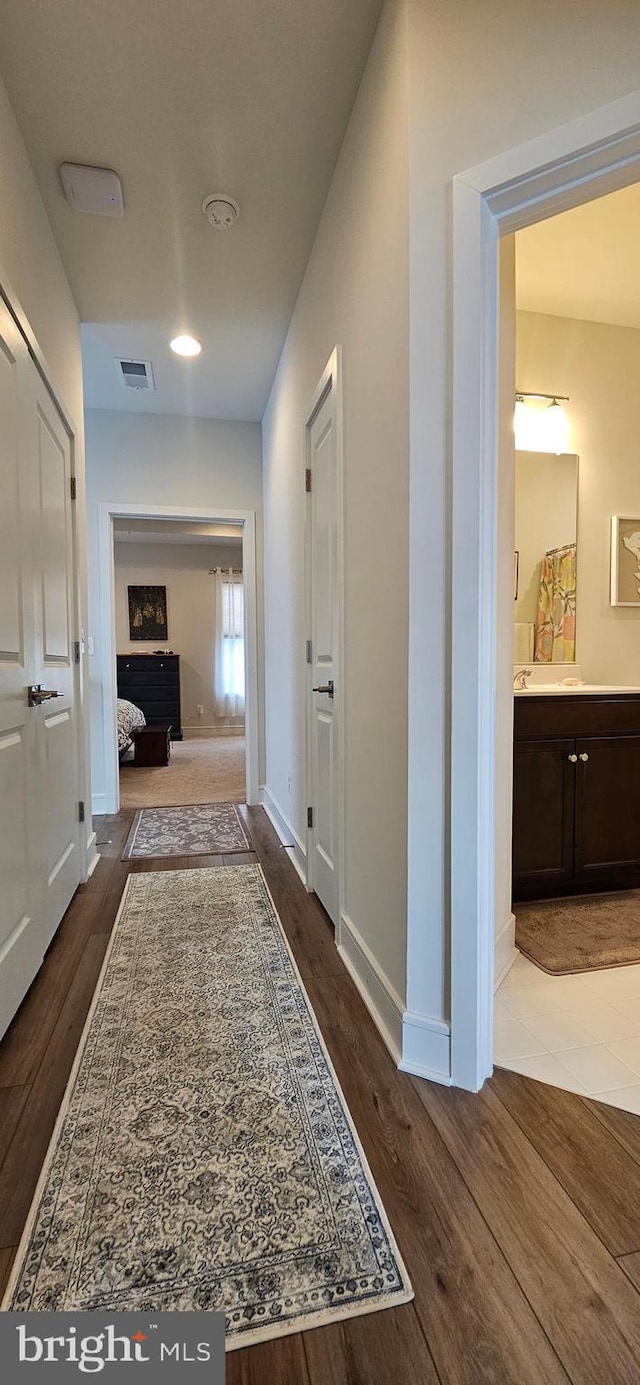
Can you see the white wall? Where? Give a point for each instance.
(31, 272)
(483, 78)
(599, 368)
(184, 569)
(354, 293)
(164, 460)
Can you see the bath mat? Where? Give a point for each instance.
(582, 934)
(201, 829)
(204, 1157)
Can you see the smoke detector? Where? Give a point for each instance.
(221, 211)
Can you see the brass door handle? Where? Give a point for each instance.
(37, 694)
(325, 688)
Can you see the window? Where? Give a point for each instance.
(229, 644)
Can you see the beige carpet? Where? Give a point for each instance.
(583, 934)
(208, 770)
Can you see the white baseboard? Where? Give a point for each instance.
(380, 997)
(98, 804)
(426, 1047)
(296, 851)
(505, 951)
(92, 855)
(209, 732)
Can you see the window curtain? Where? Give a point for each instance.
(228, 659)
(556, 623)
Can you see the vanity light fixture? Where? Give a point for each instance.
(186, 345)
(543, 429)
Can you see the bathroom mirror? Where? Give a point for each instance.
(546, 557)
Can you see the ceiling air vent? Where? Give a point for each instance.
(134, 375)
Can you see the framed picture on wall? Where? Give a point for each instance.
(625, 560)
(148, 613)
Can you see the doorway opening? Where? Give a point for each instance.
(566, 168)
(180, 680)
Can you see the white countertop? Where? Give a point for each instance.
(561, 689)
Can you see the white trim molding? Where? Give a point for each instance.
(426, 1048)
(107, 512)
(292, 843)
(505, 950)
(381, 999)
(563, 168)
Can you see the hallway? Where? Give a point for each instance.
(517, 1211)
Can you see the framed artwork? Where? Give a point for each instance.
(625, 560)
(148, 613)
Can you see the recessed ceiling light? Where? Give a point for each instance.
(184, 345)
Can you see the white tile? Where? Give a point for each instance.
(558, 1031)
(544, 1067)
(512, 1040)
(501, 1011)
(616, 983)
(625, 1098)
(523, 973)
(604, 1022)
(628, 1051)
(553, 995)
(597, 1068)
(629, 1008)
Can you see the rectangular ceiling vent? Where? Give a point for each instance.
(134, 375)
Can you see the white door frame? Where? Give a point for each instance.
(563, 168)
(331, 378)
(86, 836)
(107, 512)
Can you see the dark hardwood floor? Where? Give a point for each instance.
(517, 1210)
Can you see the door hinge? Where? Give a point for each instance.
(307, 479)
(308, 651)
(73, 487)
(81, 812)
(76, 651)
(309, 817)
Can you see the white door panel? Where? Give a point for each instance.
(39, 843)
(20, 897)
(324, 598)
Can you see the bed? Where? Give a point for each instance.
(129, 719)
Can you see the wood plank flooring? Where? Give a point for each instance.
(517, 1210)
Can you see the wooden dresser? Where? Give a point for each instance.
(152, 683)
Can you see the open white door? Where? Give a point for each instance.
(324, 518)
(39, 833)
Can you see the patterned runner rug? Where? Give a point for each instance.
(204, 1156)
(202, 829)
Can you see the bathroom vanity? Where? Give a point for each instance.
(576, 798)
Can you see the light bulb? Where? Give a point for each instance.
(556, 428)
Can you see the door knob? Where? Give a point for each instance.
(37, 694)
(573, 759)
(325, 688)
(584, 757)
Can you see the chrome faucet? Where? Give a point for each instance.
(520, 679)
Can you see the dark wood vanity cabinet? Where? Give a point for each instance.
(576, 805)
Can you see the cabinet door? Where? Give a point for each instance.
(607, 805)
(544, 777)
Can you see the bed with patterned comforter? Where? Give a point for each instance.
(129, 718)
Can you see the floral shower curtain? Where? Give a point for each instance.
(556, 622)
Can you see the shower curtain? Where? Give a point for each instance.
(556, 622)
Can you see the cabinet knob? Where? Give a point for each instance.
(573, 759)
(584, 757)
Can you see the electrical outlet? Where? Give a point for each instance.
(200, 709)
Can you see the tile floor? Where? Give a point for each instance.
(581, 1032)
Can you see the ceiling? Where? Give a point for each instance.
(176, 531)
(584, 263)
(183, 100)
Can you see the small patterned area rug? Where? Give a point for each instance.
(204, 1156)
(582, 934)
(201, 829)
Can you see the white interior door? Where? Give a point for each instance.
(325, 596)
(39, 845)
